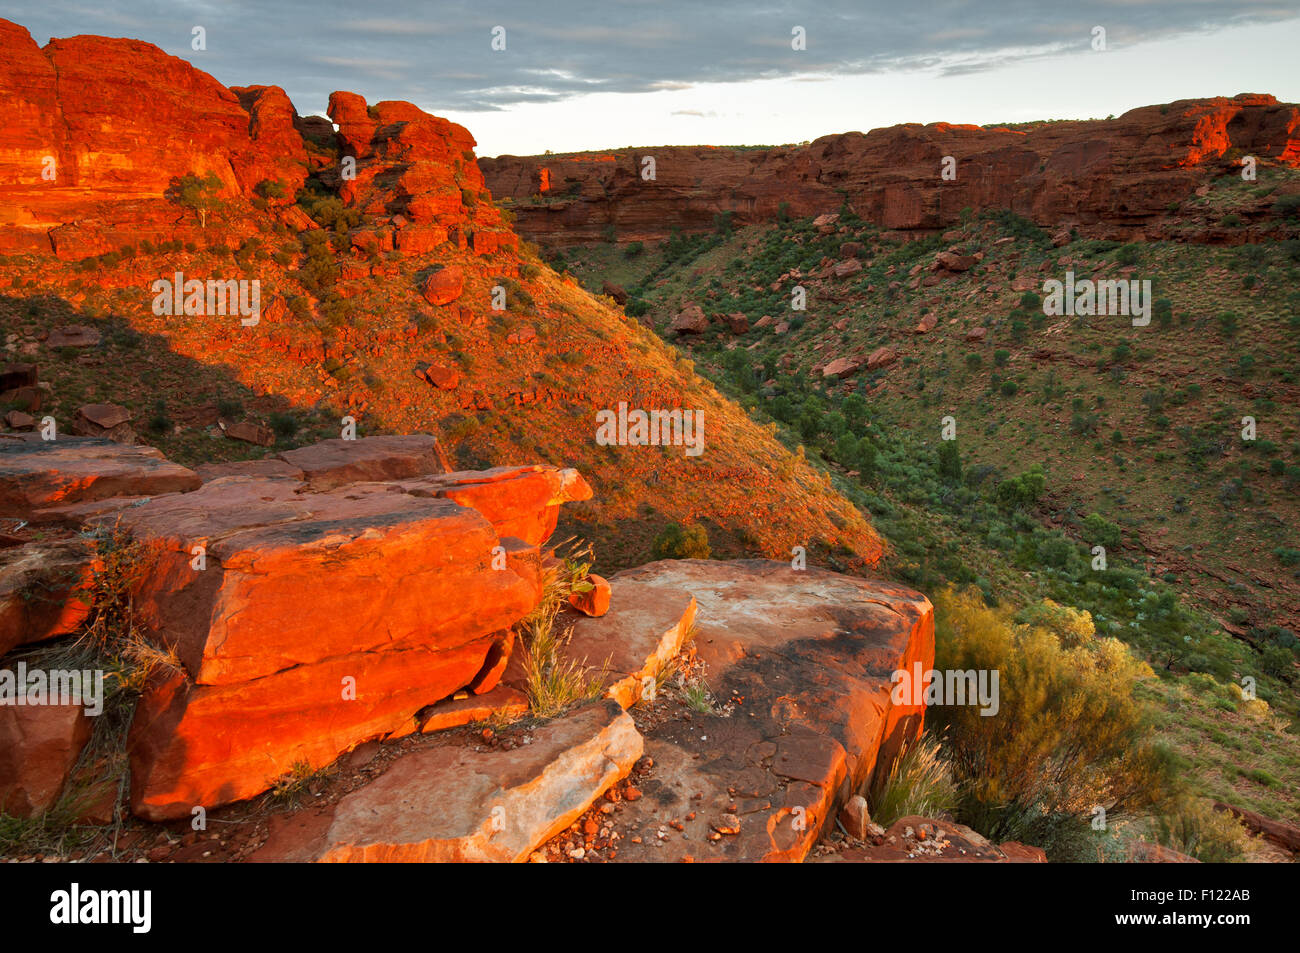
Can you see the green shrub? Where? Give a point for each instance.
(1068, 734)
(678, 542)
(1194, 828)
(1023, 490)
(1100, 531)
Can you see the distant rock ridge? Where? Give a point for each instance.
(1111, 178)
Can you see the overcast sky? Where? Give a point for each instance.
(589, 75)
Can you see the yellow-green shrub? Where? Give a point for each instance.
(1068, 734)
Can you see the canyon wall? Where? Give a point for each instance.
(1110, 178)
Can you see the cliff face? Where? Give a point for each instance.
(98, 128)
(1111, 178)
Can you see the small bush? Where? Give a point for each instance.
(918, 782)
(1194, 828)
(678, 542)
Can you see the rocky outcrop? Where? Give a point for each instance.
(417, 170)
(97, 129)
(1109, 177)
(312, 602)
(799, 663)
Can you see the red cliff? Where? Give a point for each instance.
(1109, 177)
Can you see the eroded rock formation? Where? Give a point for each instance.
(1111, 177)
(313, 601)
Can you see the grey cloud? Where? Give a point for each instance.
(439, 55)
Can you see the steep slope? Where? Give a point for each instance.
(392, 291)
(1113, 178)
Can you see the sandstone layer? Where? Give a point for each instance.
(1111, 178)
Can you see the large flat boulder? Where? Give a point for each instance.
(208, 745)
(799, 663)
(292, 579)
(334, 463)
(521, 502)
(36, 473)
(456, 804)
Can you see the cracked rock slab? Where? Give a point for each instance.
(801, 663)
(455, 804)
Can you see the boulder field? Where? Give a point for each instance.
(1110, 178)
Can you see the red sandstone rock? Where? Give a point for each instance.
(211, 744)
(950, 261)
(841, 367)
(444, 286)
(122, 120)
(455, 804)
(36, 473)
(250, 432)
(519, 502)
(333, 463)
(810, 653)
(269, 468)
(881, 357)
(593, 602)
(690, 320)
(39, 745)
(1108, 177)
(44, 591)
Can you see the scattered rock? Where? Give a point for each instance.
(690, 320)
(595, 601)
(250, 432)
(881, 357)
(841, 367)
(855, 817)
(444, 286)
(951, 261)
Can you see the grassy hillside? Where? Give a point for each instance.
(1071, 433)
(531, 380)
